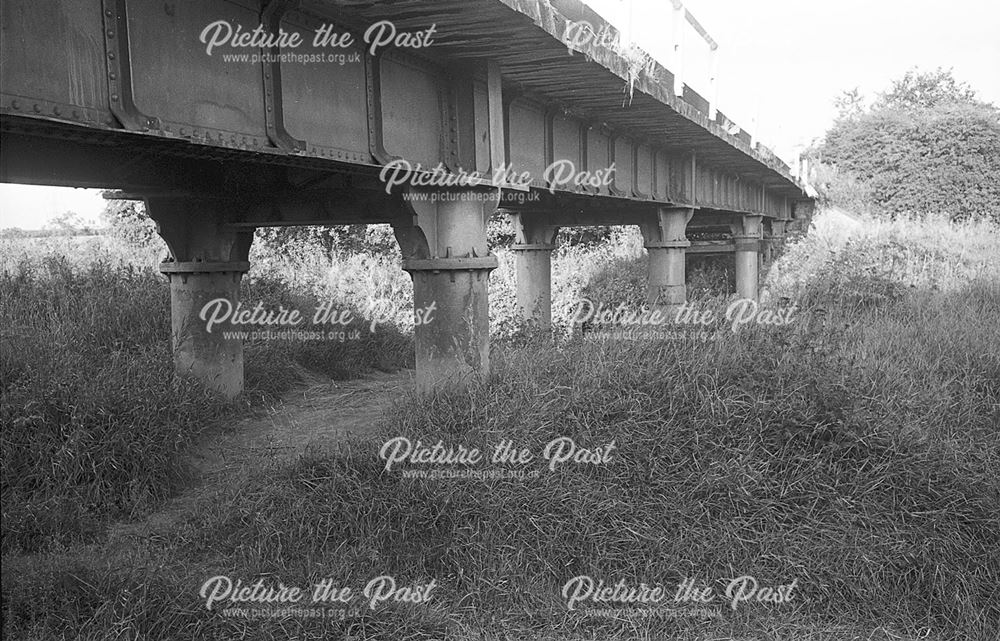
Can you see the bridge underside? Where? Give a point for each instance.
(121, 94)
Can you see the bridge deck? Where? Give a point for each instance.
(497, 86)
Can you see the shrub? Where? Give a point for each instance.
(927, 146)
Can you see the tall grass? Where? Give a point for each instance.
(760, 453)
(94, 424)
(856, 450)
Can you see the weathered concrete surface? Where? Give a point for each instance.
(666, 242)
(534, 242)
(207, 261)
(444, 250)
(211, 358)
(747, 235)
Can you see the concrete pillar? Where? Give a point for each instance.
(444, 250)
(746, 231)
(534, 241)
(207, 356)
(207, 261)
(666, 242)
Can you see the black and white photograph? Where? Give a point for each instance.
(500, 320)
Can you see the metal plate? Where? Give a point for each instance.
(57, 70)
(175, 80)
(411, 111)
(566, 141)
(624, 178)
(598, 154)
(644, 171)
(324, 96)
(526, 137)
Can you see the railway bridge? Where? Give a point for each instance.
(429, 115)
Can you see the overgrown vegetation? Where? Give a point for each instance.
(925, 145)
(94, 423)
(856, 451)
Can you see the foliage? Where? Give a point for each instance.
(128, 221)
(93, 427)
(94, 424)
(856, 451)
(926, 90)
(926, 145)
(861, 461)
(329, 239)
(69, 223)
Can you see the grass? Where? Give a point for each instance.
(94, 423)
(856, 451)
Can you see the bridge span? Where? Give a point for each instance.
(430, 115)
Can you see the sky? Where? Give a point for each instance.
(780, 63)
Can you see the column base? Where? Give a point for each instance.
(207, 356)
(533, 266)
(451, 334)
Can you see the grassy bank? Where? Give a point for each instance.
(94, 423)
(855, 451)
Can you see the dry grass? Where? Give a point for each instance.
(856, 451)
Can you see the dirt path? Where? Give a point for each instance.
(315, 417)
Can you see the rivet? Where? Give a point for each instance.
(114, 97)
(111, 34)
(37, 108)
(112, 75)
(15, 104)
(111, 55)
(56, 110)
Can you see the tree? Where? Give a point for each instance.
(68, 223)
(127, 220)
(927, 144)
(849, 103)
(927, 89)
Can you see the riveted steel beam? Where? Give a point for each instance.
(271, 68)
(119, 69)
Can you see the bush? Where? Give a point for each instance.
(926, 146)
(877, 263)
(128, 221)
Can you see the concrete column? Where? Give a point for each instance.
(534, 242)
(207, 356)
(207, 261)
(746, 231)
(444, 250)
(666, 242)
